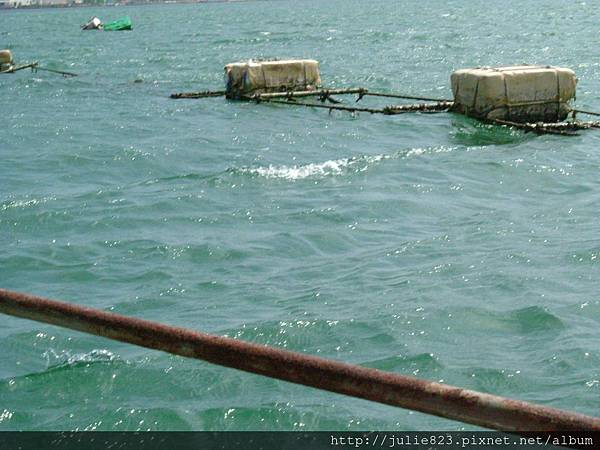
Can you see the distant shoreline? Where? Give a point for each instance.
(128, 3)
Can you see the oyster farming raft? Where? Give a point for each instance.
(529, 97)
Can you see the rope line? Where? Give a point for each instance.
(201, 94)
(34, 66)
(386, 110)
(441, 105)
(408, 97)
(560, 128)
(321, 93)
(589, 113)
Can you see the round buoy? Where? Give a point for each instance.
(6, 57)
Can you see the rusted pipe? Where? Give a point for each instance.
(454, 403)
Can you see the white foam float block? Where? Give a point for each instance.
(516, 93)
(251, 77)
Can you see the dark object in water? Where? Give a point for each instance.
(124, 23)
(93, 24)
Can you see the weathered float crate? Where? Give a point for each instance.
(515, 93)
(244, 79)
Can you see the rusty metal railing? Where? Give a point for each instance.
(454, 403)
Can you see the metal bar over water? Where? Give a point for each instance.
(454, 403)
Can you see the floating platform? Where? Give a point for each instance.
(531, 98)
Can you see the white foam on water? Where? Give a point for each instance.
(327, 168)
(24, 203)
(338, 166)
(65, 357)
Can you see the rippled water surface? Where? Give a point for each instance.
(427, 245)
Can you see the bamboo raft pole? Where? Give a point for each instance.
(581, 111)
(386, 110)
(407, 97)
(286, 94)
(560, 128)
(17, 68)
(323, 93)
(352, 109)
(34, 66)
(60, 72)
(201, 94)
(442, 400)
(440, 105)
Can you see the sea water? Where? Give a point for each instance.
(426, 245)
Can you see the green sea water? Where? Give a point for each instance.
(427, 245)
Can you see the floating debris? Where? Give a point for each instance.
(93, 24)
(121, 24)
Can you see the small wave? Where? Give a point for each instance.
(65, 358)
(488, 379)
(327, 168)
(334, 167)
(422, 362)
(24, 203)
(535, 319)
